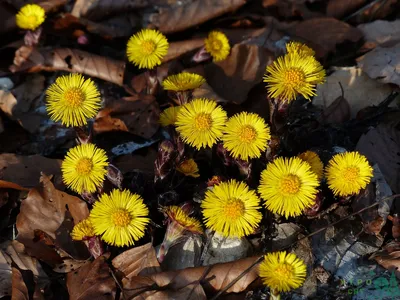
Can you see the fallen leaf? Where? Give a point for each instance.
(341, 8)
(191, 13)
(337, 112)
(376, 10)
(5, 274)
(176, 49)
(234, 77)
(136, 161)
(382, 64)
(45, 209)
(92, 281)
(389, 257)
(381, 32)
(133, 114)
(290, 9)
(11, 185)
(359, 90)
(28, 59)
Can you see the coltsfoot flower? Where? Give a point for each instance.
(183, 82)
(315, 162)
(168, 116)
(30, 17)
(188, 168)
(83, 230)
(217, 44)
(299, 48)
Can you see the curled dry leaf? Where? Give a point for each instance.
(137, 114)
(381, 33)
(176, 49)
(28, 59)
(389, 257)
(337, 112)
(92, 281)
(342, 8)
(5, 273)
(191, 13)
(45, 209)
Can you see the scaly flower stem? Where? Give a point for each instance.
(152, 81)
(274, 296)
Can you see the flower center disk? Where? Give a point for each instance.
(84, 166)
(290, 184)
(247, 134)
(234, 208)
(32, 19)
(148, 47)
(203, 121)
(294, 77)
(121, 218)
(284, 271)
(74, 97)
(351, 174)
(216, 45)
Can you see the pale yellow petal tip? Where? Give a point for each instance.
(231, 209)
(282, 272)
(246, 136)
(217, 44)
(288, 186)
(177, 214)
(30, 17)
(188, 168)
(168, 116)
(315, 162)
(73, 100)
(84, 168)
(120, 218)
(299, 48)
(348, 173)
(83, 230)
(147, 48)
(183, 82)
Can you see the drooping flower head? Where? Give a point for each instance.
(201, 122)
(83, 230)
(30, 16)
(282, 271)
(147, 48)
(299, 48)
(84, 168)
(188, 168)
(168, 116)
(120, 217)
(246, 135)
(293, 74)
(347, 173)
(288, 186)
(177, 214)
(231, 209)
(73, 100)
(315, 162)
(217, 44)
(183, 82)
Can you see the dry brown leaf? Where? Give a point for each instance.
(45, 209)
(323, 34)
(389, 257)
(191, 13)
(133, 114)
(379, 9)
(11, 185)
(341, 8)
(138, 261)
(5, 274)
(234, 77)
(28, 59)
(381, 33)
(176, 49)
(337, 112)
(92, 281)
(359, 90)
(289, 9)
(25, 171)
(382, 64)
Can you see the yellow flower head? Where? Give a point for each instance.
(348, 173)
(288, 186)
(293, 74)
(246, 135)
(84, 168)
(147, 48)
(282, 271)
(168, 116)
(178, 215)
(299, 48)
(73, 100)
(201, 122)
(231, 209)
(189, 168)
(217, 44)
(120, 217)
(315, 162)
(30, 16)
(183, 82)
(83, 230)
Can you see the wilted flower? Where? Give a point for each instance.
(188, 168)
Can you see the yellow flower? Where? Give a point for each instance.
(177, 214)
(189, 168)
(73, 100)
(183, 82)
(217, 44)
(83, 230)
(147, 48)
(120, 218)
(246, 135)
(288, 186)
(30, 16)
(84, 168)
(348, 173)
(168, 116)
(231, 209)
(299, 48)
(315, 162)
(293, 74)
(282, 271)
(201, 122)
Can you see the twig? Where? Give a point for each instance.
(206, 271)
(361, 10)
(117, 282)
